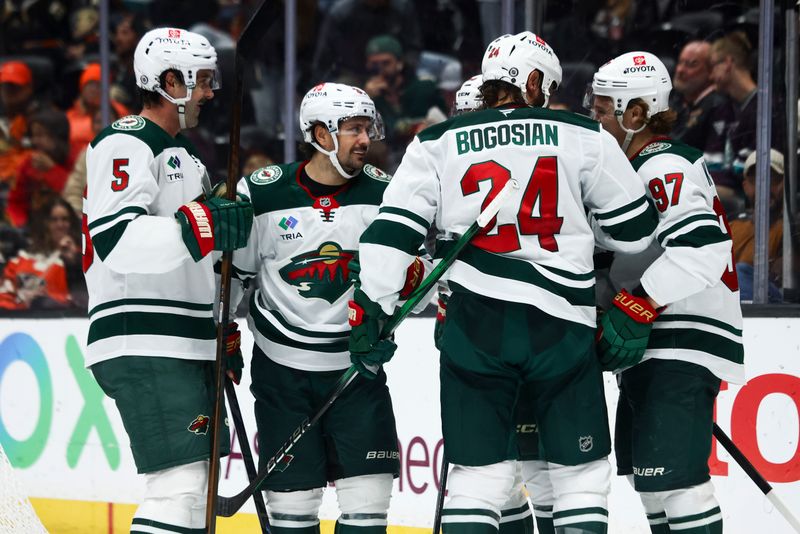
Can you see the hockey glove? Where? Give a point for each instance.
(234, 363)
(624, 331)
(367, 350)
(414, 276)
(215, 224)
(441, 315)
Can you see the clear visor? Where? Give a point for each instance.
(588, 98)
(597, 110)
(208, 79)
(359, 124)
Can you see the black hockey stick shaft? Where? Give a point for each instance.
(755, 476)
(437, 516)
(255, 28)
(227, 506)
(247, 454)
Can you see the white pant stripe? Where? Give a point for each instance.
(292, 524)
(364, 522)
(516, 517)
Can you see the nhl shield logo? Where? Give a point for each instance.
(200, 425)
(585, 443)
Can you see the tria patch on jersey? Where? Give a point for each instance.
(321, 273)
(267, 175)
(129, 123)
(375, 173)
(654, 147)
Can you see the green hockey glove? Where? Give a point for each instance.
(624, 331)
(367, 350)
(234, 363)
(215, 224)
(441, 315)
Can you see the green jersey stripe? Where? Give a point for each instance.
(273, 334)
(151, 323)
(470, 511)
(689, 518)
(688, 220)
(633, 229)
(620, 211)
(699, 340)
(700, 237)
(393, 234)
(256, 311)
(152, 302)
(514, 511)
(407, 214)
(699, 319)
(137, 210)
(580, 511)
(105, 241)
(521, 271)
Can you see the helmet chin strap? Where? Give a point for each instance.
(333, 157)
(628, 133)
(180, 102)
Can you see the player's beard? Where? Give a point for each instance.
(354, 162)
(193, 113)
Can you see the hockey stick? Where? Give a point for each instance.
(245, 46)
(247, 455)
(227, 506)
(756, 477)
(437, 516)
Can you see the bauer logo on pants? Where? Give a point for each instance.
(585, 443)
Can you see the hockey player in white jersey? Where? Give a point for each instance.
(522, 308)
(680, 303)
(148, 262)
(308, 218)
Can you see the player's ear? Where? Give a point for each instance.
(323, 137)
(533, 88)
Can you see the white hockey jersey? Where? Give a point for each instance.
(299, 249)
(539, 252)
(693, 274)
(147, 297)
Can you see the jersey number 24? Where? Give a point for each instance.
(542, 186)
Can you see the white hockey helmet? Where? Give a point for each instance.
(331, 103)
(162, 49)
(628, 77)
(511, 58)
(468, 97)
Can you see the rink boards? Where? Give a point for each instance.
(71, 451)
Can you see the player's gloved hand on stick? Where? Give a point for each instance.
(215, 224)
(624, 331)
(367, 350)
(441, 315)
(234, 363)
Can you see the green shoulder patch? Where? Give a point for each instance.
(129, 123)
(376, 174)
(266, 175)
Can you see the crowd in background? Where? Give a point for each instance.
(409, 55)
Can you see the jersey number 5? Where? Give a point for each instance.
(121, 176)
(542, 187)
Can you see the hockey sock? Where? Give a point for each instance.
(580, 493)
(544, 518)
(345, 528)
(693, 510)
(654, 509)
(516, 520)
(284, 528)
(294, 512)
(141, 525)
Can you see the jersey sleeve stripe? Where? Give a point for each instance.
(147, 323)
(640, 204)
(633, 229)
(393, 234)
(151, 302)
(699, 340)
(130, 213)
(687, 221)
(407, 214)
(399, 219)
(699, 237)
(105, 241)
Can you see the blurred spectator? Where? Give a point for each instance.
(84, 38)
(350, 24)
(743, 228)
(127, 31)
(81, 113)
(47, 274)
(76, 182)
(16, 95)
(33, 27)
(406, 103)
(695, 98)
(730, 72)
(44, 171)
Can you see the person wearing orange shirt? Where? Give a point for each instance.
(16, 93)
(86, 105)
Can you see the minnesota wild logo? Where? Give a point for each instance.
(321, 273)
